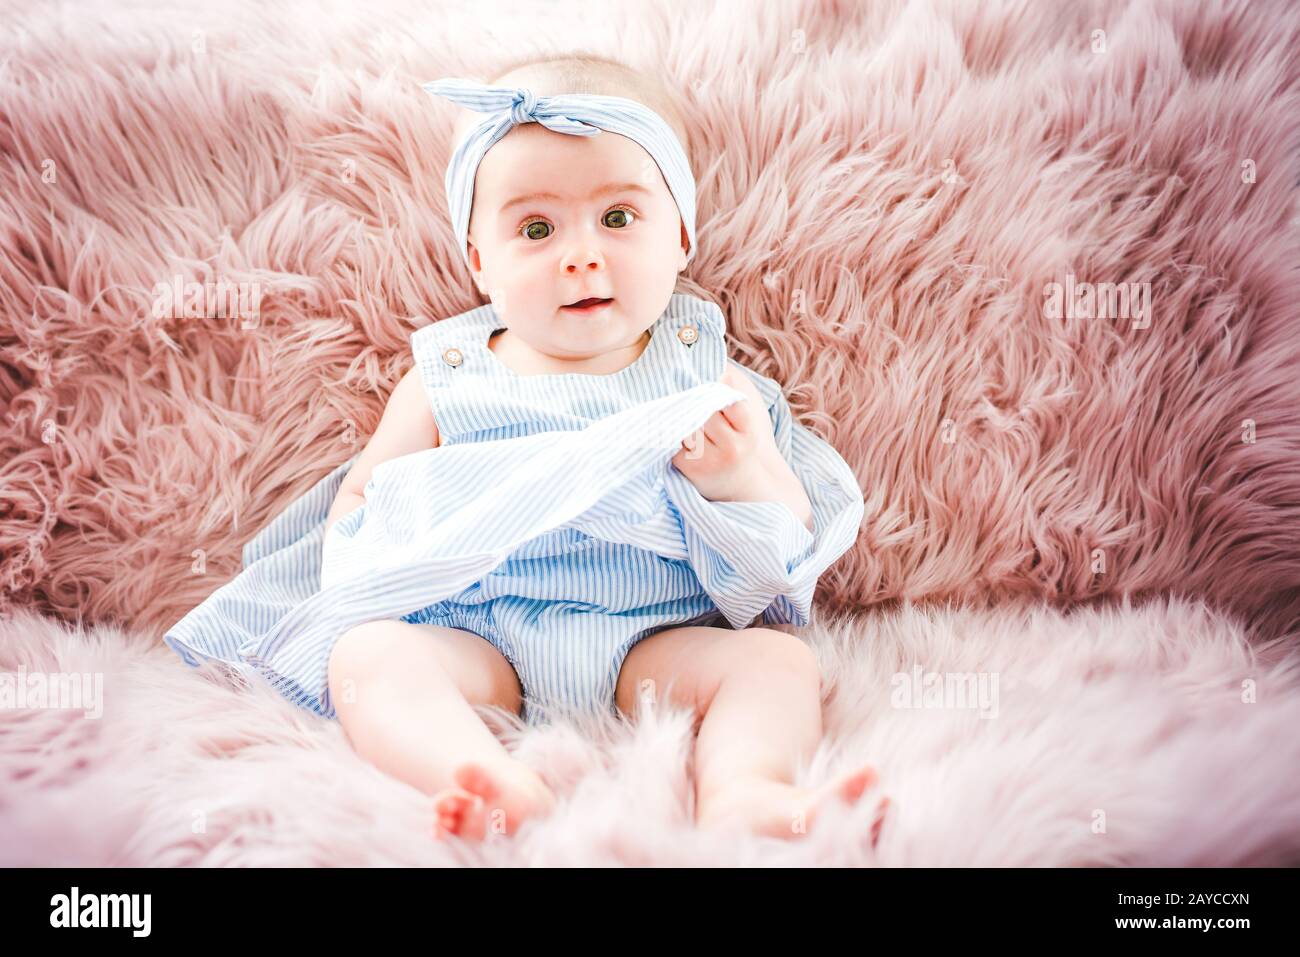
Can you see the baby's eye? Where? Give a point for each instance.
(530, 229)
(618, 217)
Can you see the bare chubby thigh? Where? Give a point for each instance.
(686, 665)
(406, 656)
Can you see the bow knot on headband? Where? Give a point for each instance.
(577, 114)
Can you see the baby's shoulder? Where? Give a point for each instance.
(452, 328)
(710, 315)
(685, 307)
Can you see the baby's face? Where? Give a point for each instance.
(532, 257)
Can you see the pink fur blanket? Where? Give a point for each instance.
(1031, 268)
(1150, 736)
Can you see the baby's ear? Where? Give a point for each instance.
(476, 267)
(686, 245)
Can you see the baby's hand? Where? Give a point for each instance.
(729, 459)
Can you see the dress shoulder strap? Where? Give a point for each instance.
(701, 327)
(439, 348)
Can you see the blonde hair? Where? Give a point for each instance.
(550, 76)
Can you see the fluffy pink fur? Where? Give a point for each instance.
(884, 191)
(1120, 738)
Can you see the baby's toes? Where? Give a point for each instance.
(878, 822)
(454, 810)
(853, 785)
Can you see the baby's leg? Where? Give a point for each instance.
(405, 694)
(756, 693)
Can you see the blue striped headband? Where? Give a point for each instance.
(578, 114)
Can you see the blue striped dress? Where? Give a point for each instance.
(550, 521)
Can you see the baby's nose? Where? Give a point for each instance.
(583, 256)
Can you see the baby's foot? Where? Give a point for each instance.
(489, 797)
(777, 809)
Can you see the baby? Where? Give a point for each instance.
(519, 474)
(579, 251)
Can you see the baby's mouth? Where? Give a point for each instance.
(585, 305)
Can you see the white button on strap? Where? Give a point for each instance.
(453, 357)
(688, 335)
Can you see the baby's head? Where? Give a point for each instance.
(609, 228)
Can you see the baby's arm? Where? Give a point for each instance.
(760, 555)
(736, 456)
(407, 426)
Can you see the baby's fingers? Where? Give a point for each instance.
(741, 416)
(695, 445)
(717, 430)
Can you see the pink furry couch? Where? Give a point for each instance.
(1092, 513)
